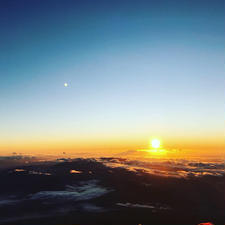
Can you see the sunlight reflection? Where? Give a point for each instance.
(156, 152)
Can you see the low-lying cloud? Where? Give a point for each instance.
(85, 191)
(168, 168)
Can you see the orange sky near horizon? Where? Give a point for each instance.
(104, 146)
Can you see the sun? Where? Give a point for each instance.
(155, 143)
(155, 149)
(65, 84)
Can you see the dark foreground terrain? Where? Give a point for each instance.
(111, 191)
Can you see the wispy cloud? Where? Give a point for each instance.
(136, 205)
(87, 190)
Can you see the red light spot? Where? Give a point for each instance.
(206, 223)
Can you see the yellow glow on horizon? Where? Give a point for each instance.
(157, 151)
(154, 152)
(105, 145)
(155, 148)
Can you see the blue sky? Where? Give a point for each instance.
(134, 69)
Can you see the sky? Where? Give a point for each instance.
(135, 70)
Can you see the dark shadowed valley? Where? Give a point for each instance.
(112, 191)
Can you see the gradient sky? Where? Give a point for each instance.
(135, 69)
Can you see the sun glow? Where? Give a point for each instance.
(155, 149)
(155, 143)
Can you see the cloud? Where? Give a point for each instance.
(19, 170)
(168, 168)
(87, 190)
(130, 205)
(8, 201)
(39, 173)
(91, 208)
(136, 205)
(75, 171)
